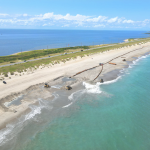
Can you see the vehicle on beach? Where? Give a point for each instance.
(101, 80)
(46, 85)
(68, 87)
(4, 82)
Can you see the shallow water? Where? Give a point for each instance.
(16, 101)
(109, 116)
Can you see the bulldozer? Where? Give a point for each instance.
(68, 87)
(46, 85)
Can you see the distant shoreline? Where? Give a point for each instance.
(41, 39)
(23, 61)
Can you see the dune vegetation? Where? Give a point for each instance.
(37, 54)
(63, 58)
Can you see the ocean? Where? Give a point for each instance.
(17, 40)
(114, 115)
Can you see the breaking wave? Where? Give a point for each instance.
(74, 96)
(96, 89)
(137, 60)
(111, 81)
(68, 105)
(12, 130)
(92, 88)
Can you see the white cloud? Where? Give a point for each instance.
(6, 20)
(47, 15)
(128, 21)
(66, 25)
(4, 15)
(146, 21)
(99, 25)
(79, 23)
(67, 20)
(78, 17)
(25, 15)
(120, 19)
(112, 20)
(48, 24)
(98, 19)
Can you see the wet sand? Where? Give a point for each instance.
(31, 87)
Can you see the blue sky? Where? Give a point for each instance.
(75, 14)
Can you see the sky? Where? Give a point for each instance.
(75, 14)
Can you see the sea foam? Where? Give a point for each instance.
(12, 130)
(68, 105)
(92, 88)
(76, 94)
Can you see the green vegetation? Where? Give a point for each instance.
(131, 39)
(12, 73)
(55, 60)
(37, 54)
(6, 75)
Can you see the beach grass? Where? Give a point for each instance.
(37, 54)
(63, 58)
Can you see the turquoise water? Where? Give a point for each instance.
(111, 116)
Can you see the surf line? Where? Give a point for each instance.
(124, 54)
(105, 64)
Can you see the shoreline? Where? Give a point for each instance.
(34, 89)
(11, 64)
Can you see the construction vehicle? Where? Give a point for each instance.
(4, 82)
(68, 87)
(101, 80)
(46, 85)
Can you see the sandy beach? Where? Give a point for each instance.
(31, 86)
